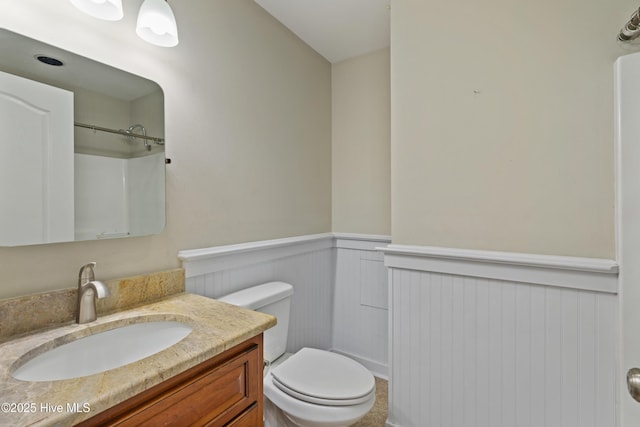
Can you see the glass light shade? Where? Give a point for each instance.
(109, 10)
(157, 24)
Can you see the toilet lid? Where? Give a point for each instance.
(322, 377)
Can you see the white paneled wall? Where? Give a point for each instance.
(306, 264)
(484, 352)
(361, 318)
(340, 295)
(467, 338)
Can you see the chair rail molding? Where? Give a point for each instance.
(593, 274)
(208, 260)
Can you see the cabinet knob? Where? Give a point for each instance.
(633, 383)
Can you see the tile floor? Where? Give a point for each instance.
(378, 414)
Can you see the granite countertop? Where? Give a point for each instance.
(216, 327)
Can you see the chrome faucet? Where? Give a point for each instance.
(89, 289)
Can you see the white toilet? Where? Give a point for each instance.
(312, 387)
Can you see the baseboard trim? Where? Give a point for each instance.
(378, 369)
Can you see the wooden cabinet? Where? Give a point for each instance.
(225, 390)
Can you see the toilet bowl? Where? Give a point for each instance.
(320, 389)
(312, 387)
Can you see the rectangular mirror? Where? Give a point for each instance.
(81, 147)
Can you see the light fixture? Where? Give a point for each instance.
(157, 24)
(49, 60)
(109, 10)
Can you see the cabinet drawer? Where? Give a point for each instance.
(223, 390)
(252, 417)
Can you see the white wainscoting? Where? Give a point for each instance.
(339, 280)
(476, 342)
(360, 312)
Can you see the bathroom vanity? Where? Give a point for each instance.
(213, 376)
(225, 390)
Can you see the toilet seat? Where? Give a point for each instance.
(324, 378)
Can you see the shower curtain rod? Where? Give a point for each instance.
(632, 28)
(159, 141)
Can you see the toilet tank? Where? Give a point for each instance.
(273, 298)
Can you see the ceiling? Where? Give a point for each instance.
(336, 29)
(17, 56)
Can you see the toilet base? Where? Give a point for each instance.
(274, 417)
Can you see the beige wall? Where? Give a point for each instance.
(502, 124)
(360, 144)
(248, 127)
(501, 135)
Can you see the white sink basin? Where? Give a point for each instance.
(103, 351)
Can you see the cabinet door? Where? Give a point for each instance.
(36, 123)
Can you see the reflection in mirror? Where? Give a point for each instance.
(81, 147)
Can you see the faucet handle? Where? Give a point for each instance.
(99, 288)
(86, 273)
